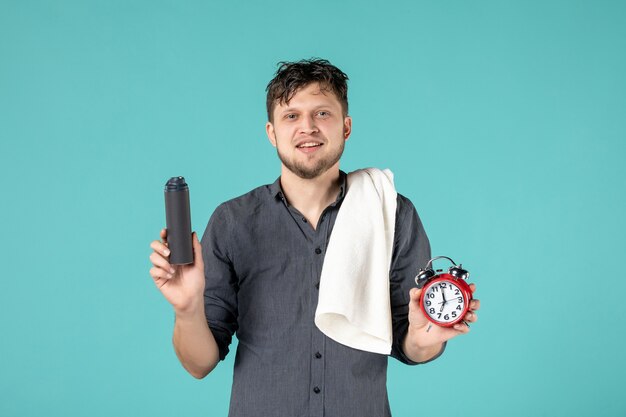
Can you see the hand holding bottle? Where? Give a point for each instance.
(181, 285)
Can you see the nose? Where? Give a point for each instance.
(308, 125)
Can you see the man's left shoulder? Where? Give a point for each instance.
(404, 206)
(408, 222)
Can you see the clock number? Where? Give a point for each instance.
(454, 313)
(431, 311)
(446, 317)
(428, 303)
(443, 285)
(438, 315)
(460, 299)
(435, 288)
(459, 307)
(431, 295)
(456, 291)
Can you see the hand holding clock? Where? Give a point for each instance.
(421, 342)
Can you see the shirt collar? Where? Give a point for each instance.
(277, 191)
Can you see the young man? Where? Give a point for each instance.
(258, 269)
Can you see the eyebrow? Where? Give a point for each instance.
(292, 109)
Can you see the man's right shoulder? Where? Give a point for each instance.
(234, 220)
(246, 204)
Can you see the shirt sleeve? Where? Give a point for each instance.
(221, 284)
(411, 251)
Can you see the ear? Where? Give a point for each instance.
(271, 135)
(347, 127)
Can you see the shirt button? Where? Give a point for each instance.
(304, 219)
(317, 285)
(317, 390)
(318, 250)
(318, 355)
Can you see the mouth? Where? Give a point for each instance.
(309, 145)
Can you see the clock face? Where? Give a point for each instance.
(443, 302)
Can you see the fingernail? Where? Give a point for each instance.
(170, 275)
(166, 252)
(172, 270)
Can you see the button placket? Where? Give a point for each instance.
(319, 243)
(317, 373)
(318, 339)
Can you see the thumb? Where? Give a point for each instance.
(416, 315)
(197, 250)
(414, 298)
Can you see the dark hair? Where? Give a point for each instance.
(292, 76)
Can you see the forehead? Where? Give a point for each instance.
(311, 94)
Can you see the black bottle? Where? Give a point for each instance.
(178, 218)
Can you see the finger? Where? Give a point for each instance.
(415, 293)
(472, 287)
(160, 262)
(474, 305)
(461, 327)
(471, 317)
(164, 235)
(158, 273)
(417, 319)
(414, 297)
(160, 248)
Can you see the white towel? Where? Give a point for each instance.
(354, 307)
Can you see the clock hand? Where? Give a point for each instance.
(443, 303)
(447, 301)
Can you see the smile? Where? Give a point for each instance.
(309, 145)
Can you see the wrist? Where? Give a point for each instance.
(421, 349)
(191, 310)
(418, 337)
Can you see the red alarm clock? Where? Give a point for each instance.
(445, 297)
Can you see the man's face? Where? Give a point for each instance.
(309, 132)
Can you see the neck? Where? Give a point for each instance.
(311, 197)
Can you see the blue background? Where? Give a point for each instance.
(503, 121)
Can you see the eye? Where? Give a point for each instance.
(323, 114)
(291, 116)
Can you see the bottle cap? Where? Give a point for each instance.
(176, 184)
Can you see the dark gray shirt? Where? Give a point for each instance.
(263, 262)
